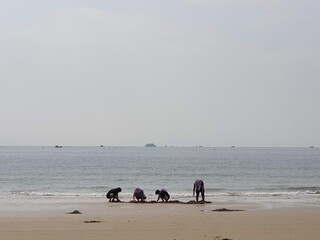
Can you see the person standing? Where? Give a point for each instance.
(198, 187)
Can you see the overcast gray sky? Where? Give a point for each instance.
(172, 72)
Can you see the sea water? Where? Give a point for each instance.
(87, 173)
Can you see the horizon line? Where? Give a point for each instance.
(163, 146)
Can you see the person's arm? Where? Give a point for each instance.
(194, 188)
(158, 198)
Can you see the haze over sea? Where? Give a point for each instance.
(87, 173)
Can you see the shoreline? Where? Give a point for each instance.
(51, 205)
(104, 220)
(29, 204)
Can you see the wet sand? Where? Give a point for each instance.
(104, 220)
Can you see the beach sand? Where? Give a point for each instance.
(103, 220)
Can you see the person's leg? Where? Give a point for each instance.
(138, 196)
(143, 197)
(202, 191)
(202, 194)
(197, 195)
(117, 198)
(111, 197)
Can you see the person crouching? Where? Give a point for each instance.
(113, 195)
(163, 194)
(139, 195)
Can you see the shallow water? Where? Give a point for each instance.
(228, 173)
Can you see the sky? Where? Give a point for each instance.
(174, 73)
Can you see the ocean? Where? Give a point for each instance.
(87, 173)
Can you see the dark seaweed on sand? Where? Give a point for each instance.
(226, 210)
(74, 212)
(195, 202)
(171, 201)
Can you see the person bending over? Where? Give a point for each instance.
(139, 195)
(163, 194)
(113, 194)
(198, 187)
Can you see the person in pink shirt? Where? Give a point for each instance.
(198, 187)
(139, 195)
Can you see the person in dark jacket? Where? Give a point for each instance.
(113, 194)
(163, 194)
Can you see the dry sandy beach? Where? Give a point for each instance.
(103, 220)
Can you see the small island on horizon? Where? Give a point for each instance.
(150, 145)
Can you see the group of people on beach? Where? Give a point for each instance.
(138, 194)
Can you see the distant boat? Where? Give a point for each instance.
(101, 146)
(312, 147)
(57, 146)
(150, 145)
(233, 146)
